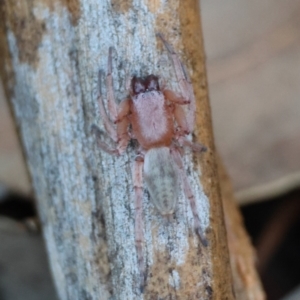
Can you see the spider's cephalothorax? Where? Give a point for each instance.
(151, 118)
(160, 124)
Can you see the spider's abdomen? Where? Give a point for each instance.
(161, 177)
(152, 124)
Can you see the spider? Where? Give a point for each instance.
(156, 118)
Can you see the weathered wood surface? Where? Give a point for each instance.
(53, 54)
(246, 282)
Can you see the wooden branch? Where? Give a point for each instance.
(246, 282)
(52, 56)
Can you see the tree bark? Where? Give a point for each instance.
(246, 282)
(53, 51)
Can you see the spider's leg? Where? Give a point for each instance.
(122, 134)
(189, 194)
(112, 106)
(139, 236)
(103, 145)
(196, 147)
(183, 130)
(178, 68)
(180, 118)
(171, 96)
(122, 138)
(119, 134)
(109, 126)
(192, 106)
(184, 81)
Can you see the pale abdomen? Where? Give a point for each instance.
(161, 178)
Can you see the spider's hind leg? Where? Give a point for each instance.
(139, 224)
(190, 195)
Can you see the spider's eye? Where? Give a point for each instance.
(138, 85)
(151, 83)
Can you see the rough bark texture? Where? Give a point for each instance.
(246, 282)
(53, 51)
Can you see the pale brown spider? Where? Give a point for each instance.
(160, 124)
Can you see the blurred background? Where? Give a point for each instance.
(253, 64)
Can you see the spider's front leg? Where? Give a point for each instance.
(138, 203)
(118, 115)
(185, 84)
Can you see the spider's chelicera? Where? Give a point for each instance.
(142, 85)
(160, 121)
